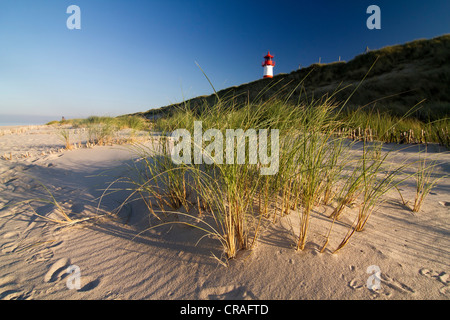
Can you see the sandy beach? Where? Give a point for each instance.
(119, 259)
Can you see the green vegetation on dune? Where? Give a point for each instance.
(318, 168)
(402, 76)
(403, 98)
(101, 130)
(122, 122)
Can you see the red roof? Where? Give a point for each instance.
(269, 56)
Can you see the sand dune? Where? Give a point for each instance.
(118, 259)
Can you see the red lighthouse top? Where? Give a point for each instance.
(268, 61)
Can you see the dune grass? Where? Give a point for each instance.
(425, 180)
(232, 202)
(65, 136)
(102, 130)
(320, 162)
(63, 217)
(328, 155)
(377, 126)
(133, 122)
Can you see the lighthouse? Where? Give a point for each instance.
(268, 65)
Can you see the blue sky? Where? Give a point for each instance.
(132, 56)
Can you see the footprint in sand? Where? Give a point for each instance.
(354, 284)
(386, 282)
(40, 256)
(395, 284)
(60, 269)
(442, 277)
(9, 288)
(54, 271)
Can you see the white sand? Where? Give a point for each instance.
(412, 251)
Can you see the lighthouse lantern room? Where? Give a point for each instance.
(268, 65)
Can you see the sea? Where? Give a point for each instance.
(11, 124)
(13, 120)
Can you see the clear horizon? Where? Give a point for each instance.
(135, 56)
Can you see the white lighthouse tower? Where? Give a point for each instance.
(268, 65)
